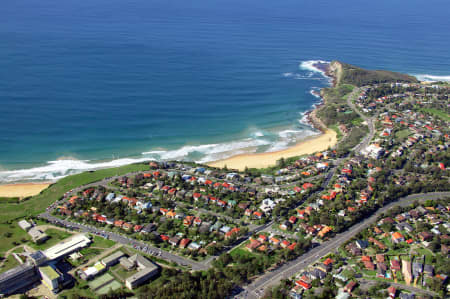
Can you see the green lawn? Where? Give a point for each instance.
(112, 286)
(87, 253)
(38, 203)
(55, 236)
(357, 121)
(102, 242)
(423, 251)
(121, 272)
(242, 251)
(98, 281)
(10, 263)
(403, 134)
(12, 235)
(81, 290)
(436, 112)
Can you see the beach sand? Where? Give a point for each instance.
(22, 190)
(262, 160)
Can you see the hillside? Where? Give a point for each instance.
(349, 74)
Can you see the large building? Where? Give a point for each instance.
(18, 278)
(147, 271)
(37, 235)
(112, 259)
(50, 278)
(67, 246)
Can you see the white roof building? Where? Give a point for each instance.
(67, 246)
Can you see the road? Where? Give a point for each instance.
(141, 246)
(370, 122)
(258, 287)
(410, 288)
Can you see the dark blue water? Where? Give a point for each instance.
(110, 80)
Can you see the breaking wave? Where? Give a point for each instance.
(310, 65)
(60, 168)
(432, 78)
(255, 140)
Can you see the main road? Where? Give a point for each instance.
(141, 246)
(270, 279)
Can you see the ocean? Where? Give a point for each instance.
(92, 84)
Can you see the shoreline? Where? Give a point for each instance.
(263, 160)
(22, 189)
(325, 140)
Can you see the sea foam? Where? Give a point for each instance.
(60, 168)
(257, 141)
(310, 66)
(432, 78)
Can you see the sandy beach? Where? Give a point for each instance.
(22, 190)
(261, 160)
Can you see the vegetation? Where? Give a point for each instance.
(37, 204)
(439, 113)
(351, 74)
(55, 236)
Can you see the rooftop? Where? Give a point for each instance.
(49, 272)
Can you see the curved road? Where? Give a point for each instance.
(257, 288)
(365, 142)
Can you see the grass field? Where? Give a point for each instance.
(403, 134)
(12, 235)
(109, 287)
(121, 272)
(11, 212)
(99, 281)
(438, 113)
(10, 263)
(241, 251)
(55, 236)
(38, 203)
(102, 242)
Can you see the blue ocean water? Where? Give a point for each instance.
(87, 84)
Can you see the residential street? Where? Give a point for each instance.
(257, 288)
(145, 248)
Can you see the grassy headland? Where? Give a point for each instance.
(345, 73)
(38, 203)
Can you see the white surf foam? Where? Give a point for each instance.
(310, 66)
(315, 92)
(258, 134)
(432, 78)
(55, 170)
(296, 76)
(208, 150)
(290, 137)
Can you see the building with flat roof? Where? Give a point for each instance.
(18, 278)
(50, 278)
(37, 258)
(126, 263)
(67, 246)
(37, 235)
(90, 272)
(147, 271)
(112, 259)
(25, 225)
